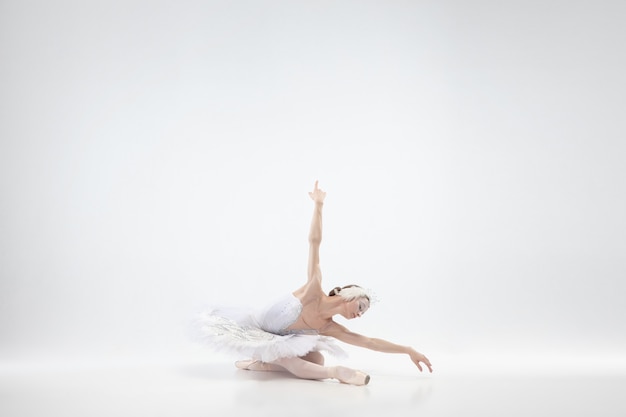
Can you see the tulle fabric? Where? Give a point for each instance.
(263, 334)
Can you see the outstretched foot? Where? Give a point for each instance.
(351, 376)
(257, 365)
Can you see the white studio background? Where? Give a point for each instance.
(156, 157)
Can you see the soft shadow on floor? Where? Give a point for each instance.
(201, 389)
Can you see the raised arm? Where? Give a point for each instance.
(315, 235)
(339, 332)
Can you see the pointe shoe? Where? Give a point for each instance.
(352, 377)
(247, 364)
(254, 365)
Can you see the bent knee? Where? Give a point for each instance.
(314, 357)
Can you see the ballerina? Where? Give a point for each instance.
(290, 334)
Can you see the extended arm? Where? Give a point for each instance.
(315, 235)
(341, 333)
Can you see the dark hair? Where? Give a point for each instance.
(336, 290)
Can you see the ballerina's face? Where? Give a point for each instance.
(357, 307)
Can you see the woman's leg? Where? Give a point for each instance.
(314, 357)
(256, 365)
(309, 366)
(308, 370)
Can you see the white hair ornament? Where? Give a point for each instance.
(354, 292)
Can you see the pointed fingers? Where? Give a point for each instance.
(428, 364)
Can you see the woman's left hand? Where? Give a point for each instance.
(417, 357)
(317, 195)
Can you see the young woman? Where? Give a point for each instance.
(290, 333)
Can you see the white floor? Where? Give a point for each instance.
(216, 388)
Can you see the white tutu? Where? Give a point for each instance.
(262, 335)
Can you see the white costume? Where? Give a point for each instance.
(264, 334)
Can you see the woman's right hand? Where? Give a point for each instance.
(417, 357)
(317, 195)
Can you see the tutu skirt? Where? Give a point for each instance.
(261, 335)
